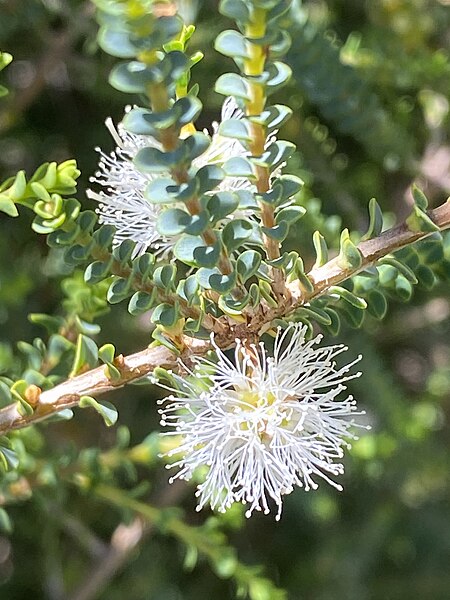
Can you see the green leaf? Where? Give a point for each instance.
(304, 282)
(418, 220)
(247, 264)
(236, 10)
(163, 339)
(431, 249)
(174, 221)
(231, 84)
(426, 277)
(349, 256)
(85, 327)
(236, 129)
(278, 233)
(226, 562)
(8, 459)
(153, 160)
(347, 296)
(266, 292)
(7, 206)
(86, 355)
(288, 186)
(233, 44)
(132, 77)
(377, 304)
(272, 117)
(162, 191)
(208, 178)
(124, 251)
(403, 288)
(105, 409)
(188, 288)
(97, 271)
(141, 302)
(239, 166)
(235, 233)
(52, 324)
(221, 205)
(5, 394)
(194, 252)
(5, 522)
(233, 307)
(313, 312)
(375, 220)
(106, 353)
(142, 121)
(104, 236)
(280, 44)
(278, 75)
(165, 315)
(289, 215)
(116, 42)
(277, 153)
(420, 200)
(164, 277)
(254, 293)
(222, 283)
(5, 59)
(335, 326)
(402, 268)
(118, 290)
(354, 316)
(144, 265)
(18, 187)
(320, 246)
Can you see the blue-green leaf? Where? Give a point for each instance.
(349, 256)
(105, 409)
(222, 204)
(375, 220)
(86, 355)
(141, 302)
(116, 42)
(238, 166)
(164, 277)
(231, 84)
(235, 233)
(247, 264)
(232, 43)
(165, 315)
(235, 128)
(236, 10)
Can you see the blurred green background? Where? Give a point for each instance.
(371, 115)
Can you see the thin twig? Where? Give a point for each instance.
(124, 541)
(78, 531)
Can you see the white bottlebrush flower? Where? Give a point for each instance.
(265, 424)
(122, 203)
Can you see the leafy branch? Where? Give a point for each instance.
(316, 282)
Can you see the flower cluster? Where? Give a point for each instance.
(262, 425)
(123, 203)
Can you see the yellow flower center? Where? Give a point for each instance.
(254, 399)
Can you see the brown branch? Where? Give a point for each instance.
(372, 250)
(94, 382)
(124, 542)
(135, 366)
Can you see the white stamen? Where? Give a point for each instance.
(266, 424)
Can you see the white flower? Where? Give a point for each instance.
(265, 424)
(123, 203)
